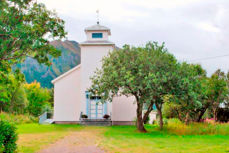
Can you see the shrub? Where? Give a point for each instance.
(106, 116)
(165, 121)
(18, 119)
(37, 97)
(175, 126)
(8, 137)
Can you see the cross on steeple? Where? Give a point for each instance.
(97, 12)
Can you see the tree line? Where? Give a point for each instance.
(19, 97)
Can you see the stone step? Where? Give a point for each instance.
(96, 122)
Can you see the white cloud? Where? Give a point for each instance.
(208, 27)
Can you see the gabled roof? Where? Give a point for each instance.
(66, 73)
(98, 27)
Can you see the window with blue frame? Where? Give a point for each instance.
(97, 35)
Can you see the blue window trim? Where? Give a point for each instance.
(88, 105)
(105, 108)
(97, 35)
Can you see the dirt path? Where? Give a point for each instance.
(83, 141)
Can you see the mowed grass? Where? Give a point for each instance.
(33, 137)
(175, 138)
(127, 139)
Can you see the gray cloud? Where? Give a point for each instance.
(194, 31)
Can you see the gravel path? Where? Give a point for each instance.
(84, 141)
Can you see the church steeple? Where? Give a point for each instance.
(97, 33)
(97, 12)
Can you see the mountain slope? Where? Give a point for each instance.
(70, 57)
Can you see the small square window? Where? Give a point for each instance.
(97, 35)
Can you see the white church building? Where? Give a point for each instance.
(71, 98)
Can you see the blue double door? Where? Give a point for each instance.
(95, 109)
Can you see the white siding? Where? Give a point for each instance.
(67, 97)
(123, 109)
(91, 57)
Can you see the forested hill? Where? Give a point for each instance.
(69, 58)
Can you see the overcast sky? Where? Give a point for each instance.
(191, 29)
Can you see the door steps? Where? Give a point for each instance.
(96, 122)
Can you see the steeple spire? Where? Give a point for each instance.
(97, 12)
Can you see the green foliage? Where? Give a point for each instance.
(149, 73)
(165, 121)
(199, 94)
(12, 94)
(8, 137)
(47, 108)
(19, 101)
(26, 26)
(217, 91)
(190, 91)
(171, 110)
(177, 127)
(38, 97)
(18, 119)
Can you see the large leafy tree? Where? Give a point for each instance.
(10, 85)
(217, 91)
(148, 73)
(191, 93)
(37, 98)
(199, 94)
(25, 30)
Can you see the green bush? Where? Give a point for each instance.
(165, 121)
(175, 126)
(38, 97)
(18, 119)
(8, 137)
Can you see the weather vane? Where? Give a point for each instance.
(97, 12)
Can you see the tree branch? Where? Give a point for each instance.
(150, 108)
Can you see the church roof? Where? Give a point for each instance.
(99, 42)
(97, 27)
(65, 74)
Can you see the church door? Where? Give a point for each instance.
(95, 109)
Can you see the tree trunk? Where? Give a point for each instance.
(178, 115)
(140, 123)
(201, 114)
(187, 118)
(215, 114)
(149, 109)
(160, 116)
(1, 103)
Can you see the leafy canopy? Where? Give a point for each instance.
(148, 73)
(145, 72)
(25, 30)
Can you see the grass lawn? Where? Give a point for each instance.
(126, 139)
(33, 137)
